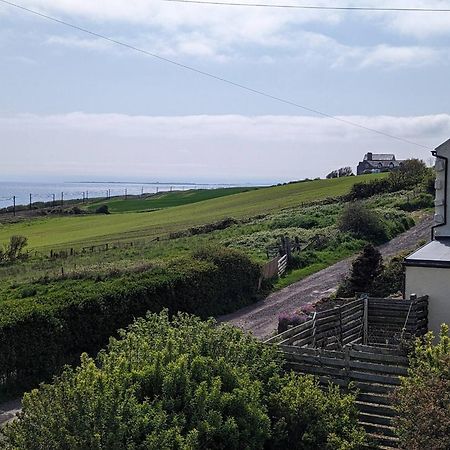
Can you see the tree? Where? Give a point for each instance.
(423, 399)
(342, 172)
(366, 268)
(184, 384)
(411, 173)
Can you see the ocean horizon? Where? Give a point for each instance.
(46, 192)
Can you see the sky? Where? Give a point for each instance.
(75, 107)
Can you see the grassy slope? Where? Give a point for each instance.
(167, 199)
(86, 230)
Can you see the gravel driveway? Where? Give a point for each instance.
(261, 318)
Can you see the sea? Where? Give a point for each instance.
(47, 192)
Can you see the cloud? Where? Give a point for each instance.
(224, 148)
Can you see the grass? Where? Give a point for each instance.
(326, 259)
(166, 199)
(63, 232)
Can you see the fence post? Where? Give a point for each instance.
(366, 320)
(347, 349)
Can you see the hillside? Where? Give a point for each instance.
(94, 229)
(166, 199)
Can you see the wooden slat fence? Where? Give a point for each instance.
(374, 321)
(373, 372)
(391, 321)
(357, 344)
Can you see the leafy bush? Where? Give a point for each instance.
(40, 333)
(390, 280)
(363, 222)
(366, 268)
(288, 320)
(423, 400)
(422, 201)
(102, 209)
(13, 251)
(305, 417)
(184, 385)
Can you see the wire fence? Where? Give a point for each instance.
(37, 200)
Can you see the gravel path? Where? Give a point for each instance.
(261, 318)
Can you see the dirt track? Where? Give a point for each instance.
(261, 318)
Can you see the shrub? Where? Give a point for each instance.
(422, 201)
(423, 400)
(390, 280)
(43, 332)
(305, 417)
(14, 249)
(360, 191)
(184, 384)
(365, 270)
(288, 320)
(362, 222)
(102, 209)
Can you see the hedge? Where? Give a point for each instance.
(40, 334)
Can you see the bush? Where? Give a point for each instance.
(288, 320)
(422, 201)
(364, 223)
(184, 384)
(390, 280)
(13, 251)
(366, 268)
(102, 209)
(41, 333)
(423, 400)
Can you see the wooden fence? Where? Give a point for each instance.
(358, 345)
(371, 371)
(373, 321)
(275, 267)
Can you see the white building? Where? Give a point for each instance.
(427, 271)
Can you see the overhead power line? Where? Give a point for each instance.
(213, 76)
(313, 7)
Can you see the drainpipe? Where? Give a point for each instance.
(434, 153)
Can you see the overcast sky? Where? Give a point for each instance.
(76, 107)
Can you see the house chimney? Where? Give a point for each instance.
(369, 156)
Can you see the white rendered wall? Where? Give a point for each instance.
(443, 230)
(435, 283)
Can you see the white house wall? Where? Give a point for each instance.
(435, 283)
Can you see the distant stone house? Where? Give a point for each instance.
(377, 162)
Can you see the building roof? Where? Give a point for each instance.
(434, 254)
(381, 157)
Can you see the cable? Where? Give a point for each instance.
(215, 77)
(326, 8)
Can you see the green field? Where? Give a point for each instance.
(167, 199)
(56, 232)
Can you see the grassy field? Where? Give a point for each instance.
(167, 199)
(54, 232)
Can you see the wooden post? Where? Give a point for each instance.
(30, 202)
(366, 320)
(14, 205)
(287, 243)
(347, 349)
